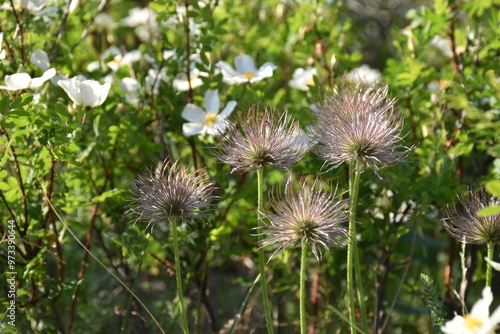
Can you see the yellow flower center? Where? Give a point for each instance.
(210, 118)
(248, 75)
(472, 323)
(310, 83)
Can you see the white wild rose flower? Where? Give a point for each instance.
(20, 81)
(207, 120)
(303, 78)
(478, 321)
(246, 71)
(85, 92)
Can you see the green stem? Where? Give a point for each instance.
(352, 251)
(303, 329)
(262, 263)
(488, 266)
(178, 276)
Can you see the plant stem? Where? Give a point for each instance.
(262, 263)
(178, 276)
(303, 329)
(352, 251)
(488, 266)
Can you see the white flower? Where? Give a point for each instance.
(154, 78)
(493, 264)
(40, 59)
(303, 78)
(364, 74)
(181, 82)
(87, 92)
(245, 70)
(33, 6)
(2, 51)
(144, 22)
(121, 60)
(209, 120)
(132, 88)
(23, 80)
(478, 320)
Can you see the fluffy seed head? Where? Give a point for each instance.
(309, 215)
(360, 124)
(171, 192)
(467, 226)
(264, 139)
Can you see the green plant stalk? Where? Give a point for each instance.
(489, 272)
(134, 286)
(302, 294)
(178, 276)
(352, 251)
(262, 263)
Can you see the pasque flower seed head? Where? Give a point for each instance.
(467, 226)
(360, 124)
(172, 192)
(309, 214)
(264, 139)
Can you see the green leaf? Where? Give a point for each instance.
(22, 100)
(158, 7)
(493, 187)
(488, 211)
(107, 194)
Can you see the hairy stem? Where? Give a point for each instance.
(178, 276)
(302, 294)
(488, 266)
(262, 263)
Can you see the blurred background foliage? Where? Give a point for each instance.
(440, 59)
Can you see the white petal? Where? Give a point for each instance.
(40, 59)
(228, 109)
(17, 81)
(266, 64)
(181, 85)
(481, 308)
(244, 64)
(90, 92)
(130, 85)
(218, 128)
(193, 113)
(104, 91)
(262, 73)
(193, 128)
(493, 264)
(72, 88)
(212, 101)
(47, 75)
(226, 69)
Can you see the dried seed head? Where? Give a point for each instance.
(467, 226)
(360, 124)
(172, 192)
(263, 140)
(309, 215)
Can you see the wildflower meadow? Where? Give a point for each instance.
(232, 166)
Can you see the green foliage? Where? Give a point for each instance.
(77, 161)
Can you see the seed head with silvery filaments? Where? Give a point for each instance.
(360, 124)
(466, 226)
(308, 214)
(263, 139)
(172, 192)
